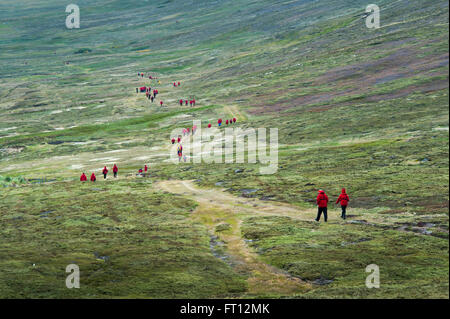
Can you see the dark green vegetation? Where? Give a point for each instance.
(355, 108)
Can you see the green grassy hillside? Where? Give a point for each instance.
(365, 109)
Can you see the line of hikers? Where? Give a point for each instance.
(105, 171)
(191, 102)
(220, 121)
(322, 203)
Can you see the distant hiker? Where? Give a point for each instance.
(173, 141)
(115, 170)
(193, 102)
(161, 102)
(152, 98)
(344, 199)
(179, 83)
(179, 139)
(219, 122)
(186, 102)
(190, 102)
(105, 172)
(181, 102)
(209, 125)
(174, 84)
(226, 122)
(234, 120)
(180, 152)
(145, 168)
(93, 178)
(322, 203)
(83, 178)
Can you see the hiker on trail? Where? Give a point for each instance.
(93, 178)
(193, 102)
(161, 102)
(181, 102)
(179, 83)
(180, 152)
(179, 139)
(105, 172)
(186, 102)
(145, 168)
(209, 125)
(190, 103)
(188, 130)
(231, 121)
(174, 84)
(219, 122)
(83, 178)
(234, 120)
(322, 203)
(194, 129)
(173, 141)
(226, 122)
(343, 199)
(152, 98)
(115, 170)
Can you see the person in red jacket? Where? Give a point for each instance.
(115, 170)
(322, 203)
(83, 178)
(161, 103)
(93, 178)
(179, 83)
(186, 102)
(343, 199)
(226, 122)
(190, 103)
(145, 168)
(181, 102)
(219, 122)
(179, 139)
(173, 141)
(105, 172)
(234, 120)
(209, 125)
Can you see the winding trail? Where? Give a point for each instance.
(217, 207)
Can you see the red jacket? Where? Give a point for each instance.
(105, 170)
(93, 178)
(226, 122)
(343, 198)
(145, 168)
(83, 178)
(322, 199)
(115, 168)
(209, 125)
(179, 139)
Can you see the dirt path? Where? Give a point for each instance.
(216, 208)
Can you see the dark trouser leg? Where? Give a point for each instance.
(325, 215)
(104, 176)
(115, 175)
(344, 210)
(319, 213)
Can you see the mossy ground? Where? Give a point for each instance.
(355, 108)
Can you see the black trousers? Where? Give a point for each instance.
(104, 176)
(344, 211)
(115, 174)
(324, 211)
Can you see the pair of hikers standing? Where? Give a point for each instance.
(322, 203)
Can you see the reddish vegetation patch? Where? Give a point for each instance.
(362, 77)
